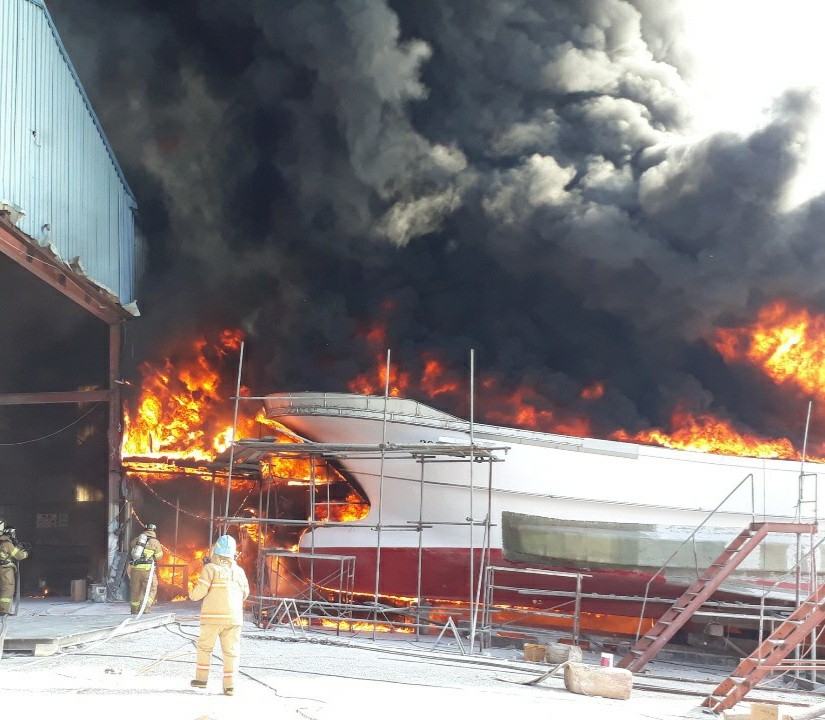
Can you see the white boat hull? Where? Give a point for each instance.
(614, 510)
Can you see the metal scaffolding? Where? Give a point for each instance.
(325, 592)
(329, 594)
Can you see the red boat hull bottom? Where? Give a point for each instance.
(445, 576)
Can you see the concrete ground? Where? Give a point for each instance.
(317, 675)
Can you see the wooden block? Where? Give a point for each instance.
(601, 681)
(534, 653)
(764, 711)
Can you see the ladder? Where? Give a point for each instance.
(115, 575)
(697, 594)
(770, 653)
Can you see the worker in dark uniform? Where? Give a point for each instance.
(223, 587)
(146, 550)
(11, 552)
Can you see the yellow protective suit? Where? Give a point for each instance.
(10, 554)
(140, 571)
(223, 587)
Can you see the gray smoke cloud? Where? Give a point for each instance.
(514, 177)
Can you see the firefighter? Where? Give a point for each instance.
(223, 587)
(146, 550)
(11, 552)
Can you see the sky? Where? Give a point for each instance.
(581, 192)
(744, 54)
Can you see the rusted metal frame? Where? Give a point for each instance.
(17, 246)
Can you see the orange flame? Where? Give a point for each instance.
(352, 508)
(705, 433)
(593, 392)
(363, 626)
(435, 380)
(374, 382)
(787, 344)
(523, 407)
(183, 411)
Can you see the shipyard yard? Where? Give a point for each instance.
(291, 673)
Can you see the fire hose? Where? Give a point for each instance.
(15, 601)
(146, 591)
(114, 632)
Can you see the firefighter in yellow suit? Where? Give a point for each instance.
(223, 587)
(146, 550)
(11, 552)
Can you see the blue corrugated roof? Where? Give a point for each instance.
(85, 97)
(56, 163)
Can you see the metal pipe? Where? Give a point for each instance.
(234, 435)
(472, 516)
(312, 519)
(484, 545)
(381, 491)
(260, 528)
(811, 590)
(420, 549)
(577, 609)
(799, 500)
(485, 550)
(211, 515)
(175, 552)
(753, 500)
(264, 583)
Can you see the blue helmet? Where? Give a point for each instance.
(225, 546)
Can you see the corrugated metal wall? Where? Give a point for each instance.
(55, 162)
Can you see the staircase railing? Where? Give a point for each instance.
(692, 537)
(782, 579)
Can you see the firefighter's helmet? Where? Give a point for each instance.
(225, 546)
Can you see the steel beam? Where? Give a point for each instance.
(48, 398)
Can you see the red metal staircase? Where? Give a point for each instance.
(697, 594)
(770, 653)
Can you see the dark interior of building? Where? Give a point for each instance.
(53, 456)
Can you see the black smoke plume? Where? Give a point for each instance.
(516, 178)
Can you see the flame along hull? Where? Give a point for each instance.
(615, 511)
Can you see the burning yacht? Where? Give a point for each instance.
(616, 511)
